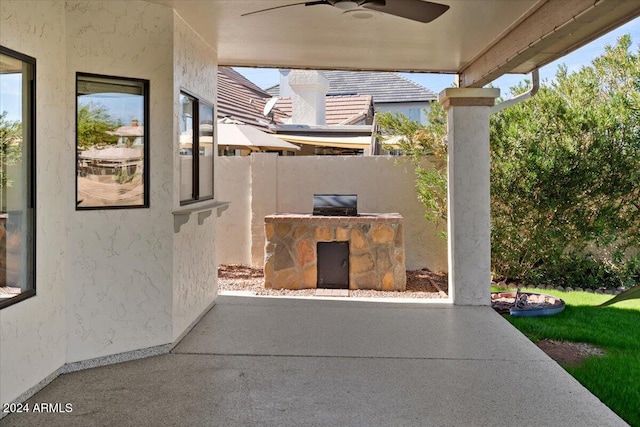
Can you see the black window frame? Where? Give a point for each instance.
(31, 186)
(146, 161)
(195, 150)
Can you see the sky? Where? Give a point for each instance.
(266, 78)
(11, 96)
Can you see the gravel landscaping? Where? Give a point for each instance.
(420, 284)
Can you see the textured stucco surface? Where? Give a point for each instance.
(32, 333)
(109, 282)
(469, 221)
(194, 254)
(119, 284)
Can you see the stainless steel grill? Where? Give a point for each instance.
(335, 204)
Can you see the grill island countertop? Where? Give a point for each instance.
(306, 217)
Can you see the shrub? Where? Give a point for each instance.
(565, 175)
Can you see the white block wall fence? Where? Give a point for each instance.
(264, 183)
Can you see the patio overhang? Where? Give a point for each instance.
(479, 40)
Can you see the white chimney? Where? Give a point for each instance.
(308, 97)
(284, 90)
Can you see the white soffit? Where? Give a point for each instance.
(479, 39)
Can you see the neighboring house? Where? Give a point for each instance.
(390, 91)
(346, 128)
(241, 100)
(340, 109)
(346, 131)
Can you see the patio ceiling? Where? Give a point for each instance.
(477, 39)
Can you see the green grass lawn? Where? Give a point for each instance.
(613, 378)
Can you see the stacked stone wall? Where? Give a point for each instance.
(376, 250)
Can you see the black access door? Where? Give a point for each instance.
(333, 265)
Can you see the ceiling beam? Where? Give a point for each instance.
(554, 29)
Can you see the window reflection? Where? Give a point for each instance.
(186, 147)
(111, 142)
(17, 207)
(206, 152)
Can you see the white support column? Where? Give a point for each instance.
(469, 224)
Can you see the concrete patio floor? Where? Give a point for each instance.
(311, 362)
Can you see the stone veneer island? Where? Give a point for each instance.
(376, 249)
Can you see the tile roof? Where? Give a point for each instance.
(240, 99)
(341, 110)
(385, 87)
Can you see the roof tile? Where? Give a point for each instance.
(385, 87)
(240, 99)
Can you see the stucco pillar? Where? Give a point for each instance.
(469, 225)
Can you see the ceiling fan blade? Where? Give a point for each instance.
(306, 3)
(416, 10)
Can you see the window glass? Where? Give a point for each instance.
(414, 114)
(206, 151)
(112, 142)
(186, 147)
(17, 201)
(196, 152)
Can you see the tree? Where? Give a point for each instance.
(10, 146)
(417, 142)
(565, 175)
(93, 123)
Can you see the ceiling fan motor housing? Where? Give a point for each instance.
(347, 4)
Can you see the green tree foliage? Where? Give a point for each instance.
(565, 176)
(10, 145)
(417, 141)
(94, 122)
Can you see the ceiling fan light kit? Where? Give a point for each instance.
(346, 4)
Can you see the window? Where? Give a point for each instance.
(414, 114)
(112, 142)
(196, 149)
(17, 179)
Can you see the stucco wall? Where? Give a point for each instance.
(195, 272)
(108, 281)
(287, 184)
(264, 199)
(119, 286)
(233, 230)
(32, 332)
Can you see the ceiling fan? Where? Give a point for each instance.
(415, 10)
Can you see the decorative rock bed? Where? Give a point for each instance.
(526, 304)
